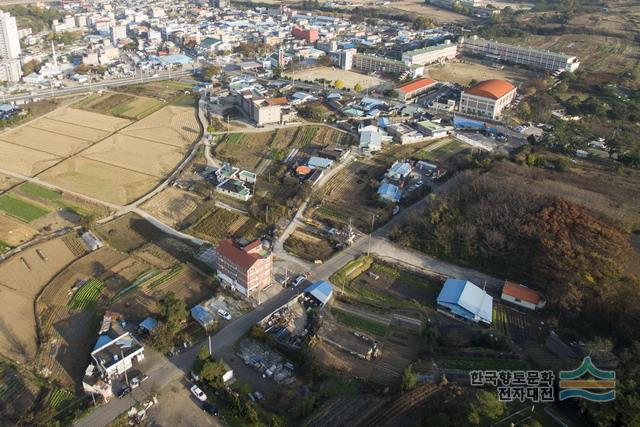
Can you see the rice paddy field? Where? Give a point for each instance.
(121, 105)
(20, 208)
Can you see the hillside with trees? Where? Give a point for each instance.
(501, 219)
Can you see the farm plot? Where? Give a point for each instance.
(171, 125)
(88, 119)
(164, 90)
(100, 180)
(25, 161)
(21, 278)
(137, 108)
(87, 295)
(245, 151)
(20, 208)
(67, 333)
(350, 195)
(128, 232)
(135, 154)
(56, 144)
(172, 205)
(220, 224)
(17, 396)
(80, 131)
(308, 246)
(511, 322)
(14, 232)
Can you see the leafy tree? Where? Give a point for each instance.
(409, 379)
(31, 67)
(173, 311)
(209, 71)
(358, 88)
(339, 84)
(486, 405)
(212, 371)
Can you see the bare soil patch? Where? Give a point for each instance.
(172, 205)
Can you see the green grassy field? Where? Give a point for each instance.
(4, 246)
(21, 209)
(184, 100)
(359, 323)
(39, 191)
(441, 151)
(87, 295)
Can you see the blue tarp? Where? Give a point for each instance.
(460, 122)
(202, 315)
(320, 290)
(149, 324)
(102, 340)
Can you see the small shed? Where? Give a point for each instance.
(202, 315)
(148, 324)
(319, 163)
(521, 295)
(320, 291)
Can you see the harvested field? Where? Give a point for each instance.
(172, 205)
(75, 130)
(21, 278)
(172, 125)
(48, 142)
(14, 232)
(464, 72)
(88, 119)
(7, 181)
(25, 161)
(128, 232)
(135, 154)
(164, 90)
(103, 181)
(308, 246)
(420, 8)
(137, 108)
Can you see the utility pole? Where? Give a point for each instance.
(209, 344)
(373, 217)
(126, 377)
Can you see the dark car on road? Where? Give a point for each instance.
(208, 407)
(124, 391)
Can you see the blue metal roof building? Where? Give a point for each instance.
(389, 192)
(321, 290)
(463, 299)
(319, 162)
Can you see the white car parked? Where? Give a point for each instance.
(298, 280)
(199, 394)
(224, 314)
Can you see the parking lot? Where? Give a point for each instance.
(179, 408)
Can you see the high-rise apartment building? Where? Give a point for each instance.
(10, 69)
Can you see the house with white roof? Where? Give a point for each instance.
(462, 299)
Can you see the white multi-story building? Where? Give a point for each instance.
(10, 70)
(430, 54)
(118, 32)
(9, 41)
(487, 99)
(536, 58)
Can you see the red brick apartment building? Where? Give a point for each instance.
(308, 34)
(246, 269)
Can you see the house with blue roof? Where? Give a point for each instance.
(320, 292)
(398, 171)
(389, 192)
(464, 300)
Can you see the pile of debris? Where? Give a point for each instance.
(269, 363)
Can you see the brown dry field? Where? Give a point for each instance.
(99, 180)
(48, 142)
(89, 119)
(135, 154)
(18, 287)
(25, 161)
(463, 72)
(418, 7)
(172, 125)
(7, 181)
(139, 106)
(76, 130)
(172, 205)
(15, 232)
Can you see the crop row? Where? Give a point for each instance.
(166, 277)
(87, 295)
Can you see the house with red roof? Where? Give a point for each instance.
(245, 268)
(488, 98)
(415, 88)
(521, 295)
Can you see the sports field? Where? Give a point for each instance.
(349, 78)
(463, 72)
